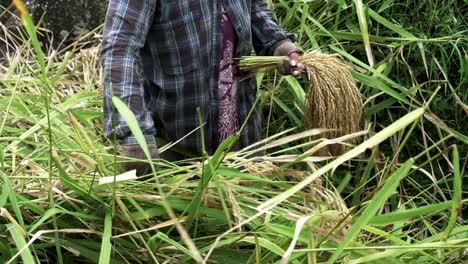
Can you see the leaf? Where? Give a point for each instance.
(31, 30)
(364, 31)
(372, 207)
(13, 201)
(130, 119)
(265, 243)
(106, 246)
(457, 194)
(20, 243)
(172, 242)
(297, 90)
(54, 211)
(299, 224)
(396, 217)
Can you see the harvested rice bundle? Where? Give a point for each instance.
(333, 100)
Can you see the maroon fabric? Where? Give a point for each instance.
(228, 123)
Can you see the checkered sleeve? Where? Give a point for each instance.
(125, 29)
(266, 33)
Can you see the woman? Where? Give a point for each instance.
(169, 60)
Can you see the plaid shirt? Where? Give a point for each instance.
(161, 57)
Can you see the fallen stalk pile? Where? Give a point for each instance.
(333, 100)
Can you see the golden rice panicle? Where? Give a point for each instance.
(333, 101)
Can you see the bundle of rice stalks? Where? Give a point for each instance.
(333, 100)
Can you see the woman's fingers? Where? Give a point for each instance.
(297, 67)
(291, 66)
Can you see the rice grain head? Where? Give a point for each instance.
(333, 100)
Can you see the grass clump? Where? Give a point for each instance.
(397, 197)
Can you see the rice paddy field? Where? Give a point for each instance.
(396, 193)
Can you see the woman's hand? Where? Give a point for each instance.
(133, 158)
(289, 65)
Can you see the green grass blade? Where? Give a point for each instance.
(130, 119)
(209, 169)
(364, 178)
(172, 242)
(371, 208)
(457, 194)
(106, 246)
(13, 200)
(396, 217)
(265, 243)
(48, 214)
(364, 30)
(298, 91)
(380, 85)
(20, 243)
(4, 195)
(391, 26)
(31, 30)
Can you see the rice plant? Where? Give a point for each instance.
(333, 100)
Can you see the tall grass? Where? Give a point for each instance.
(397, 197)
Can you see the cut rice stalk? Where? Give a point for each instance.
(333, 100)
